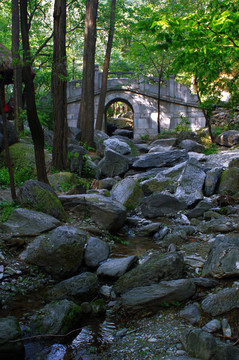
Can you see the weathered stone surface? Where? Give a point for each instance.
(74, 133)
(62, 181)
(59, 252)
(41, 197)
(191, 313)
(191, 182)
(221, 302)
(79, 288)
(229, 183)
(223, 258)
(99, 137)
(200, 208)
(219, 225)
(153, 296)
(191, 145)
(163, 142)
(212, 326)
(158, 267)
(107, 183)
(25, 222)
(228, 138)
(113, 164)
(128, 192)
(58, 317)
(205, 346)
(212, 180)
(96, 251)
(152, 160)
(10, 331)
(11, 132)
(116, 267)
(117, 145)
(161, 204)
(108, 213)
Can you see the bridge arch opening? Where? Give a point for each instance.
(119, 115)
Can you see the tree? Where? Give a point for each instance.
(33, 120)
(86, 113)
(101, 106)
(59, 78)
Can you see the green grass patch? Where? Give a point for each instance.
(21, 175)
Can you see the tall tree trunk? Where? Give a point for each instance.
(86, 113)
(16, 62)
(33, 120)
(101, 107)
(7, 152)
(59, 78)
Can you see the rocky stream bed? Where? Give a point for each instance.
(144, 265)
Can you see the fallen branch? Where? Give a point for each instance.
(43, 336)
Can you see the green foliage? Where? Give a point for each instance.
(184, 124)
(211, 149)
(145, 137)
(21, 174)
(45, 112)
(87, 170)
(6, 208)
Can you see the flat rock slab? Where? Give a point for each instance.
(156, 295)
(116, 267)
(154, 160)
(25, 222)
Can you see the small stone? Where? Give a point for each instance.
(226, 329)
(212, 326)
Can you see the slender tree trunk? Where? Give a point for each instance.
(7, 152)
(17, 66)
(59, 78)
(86, 113)
(101, 107)
(33, 120)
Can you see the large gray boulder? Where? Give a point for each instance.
(41, 197)
(153, 296)
(229, 182)
(116, 267)
(223, 258)
(58, 317)
(221, 302)
(108, 213)
(228, 138)
(205, 346)
(191, 183)
(115, 144)
(113, 164)
(157, 160)
(79, 288)
(99, 138)
(96, 251)
(59, 252)
(128, 192)
(212, 180)
(191, 145)
(10, 331)
(25, 222)
(168, 266)
(221, 225)
(161, 204)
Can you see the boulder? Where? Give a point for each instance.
(123, 132)
(10, 331)
(200, 208)
(228, 138)
(117, 145)
(96, 251)
(116, 267)
(108, 213)
(41, 197)
(212, 180)
(191, 313)
(162, 204)
(58, 317)
(154, 296)
(219, 225)
(128, 192)
(158, 267)
(59, 252)
(62, 181)
(223, 258)
(191, 145)
(74, 133)
(205, 346)
(75, 156)
(157, 160)
(113, 164)
(79, 288)
(25, 222)
(99, 137)
(12, 134)
(107, 183)
(191, 183)
(229, 182)
(163, 142)
(221, 302)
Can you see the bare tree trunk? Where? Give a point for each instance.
(101, 107)
(33, 120)
(7, 152)
(59, 79)
(16, 62)
(86, 113)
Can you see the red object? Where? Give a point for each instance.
(6, 108)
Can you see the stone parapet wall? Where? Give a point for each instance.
(224, 117)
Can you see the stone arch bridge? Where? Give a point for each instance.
(141, 94)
